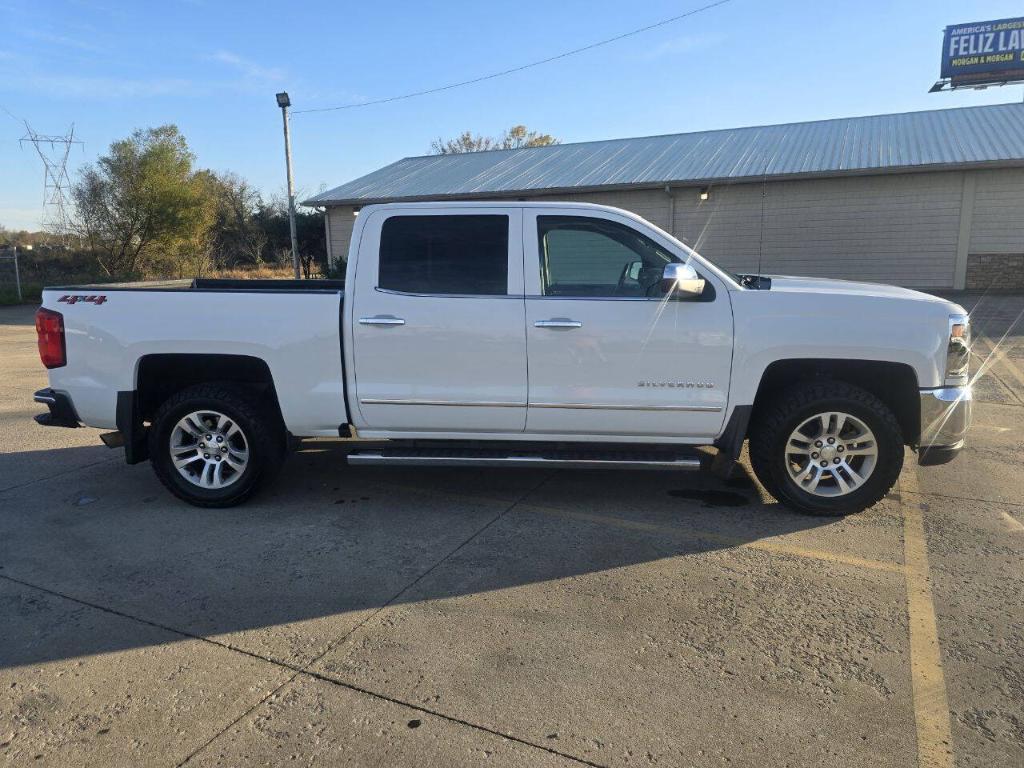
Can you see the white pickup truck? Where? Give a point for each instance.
(516, 334)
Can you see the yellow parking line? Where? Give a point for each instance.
(767, 545)
(928, 681)
(931, 706)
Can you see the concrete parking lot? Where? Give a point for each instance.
(442, 617)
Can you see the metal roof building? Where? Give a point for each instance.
(928, 199)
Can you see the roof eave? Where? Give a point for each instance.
(321, 202)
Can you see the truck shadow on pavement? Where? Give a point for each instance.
(93, 558)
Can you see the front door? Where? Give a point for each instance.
(609, 354)
(438, 327)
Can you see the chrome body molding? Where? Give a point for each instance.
(945, 419)
(453, 403)
(500, 404)
(613, 407)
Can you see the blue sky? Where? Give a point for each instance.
(213, 66)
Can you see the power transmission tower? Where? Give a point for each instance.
(54, 152)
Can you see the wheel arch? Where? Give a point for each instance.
(159, 376)
(895, 384)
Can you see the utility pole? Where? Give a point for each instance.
(284, 102)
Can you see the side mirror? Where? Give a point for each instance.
(681, 280)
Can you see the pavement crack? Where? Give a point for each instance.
(452, 719)
(297, 670)
(305, 669)
(965, 498)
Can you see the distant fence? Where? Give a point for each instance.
(9, 272)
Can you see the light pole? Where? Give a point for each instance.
(284, 102)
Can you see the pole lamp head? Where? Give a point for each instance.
(283, 100)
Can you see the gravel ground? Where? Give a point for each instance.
(509, 617)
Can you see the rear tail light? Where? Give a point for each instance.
(50, 330)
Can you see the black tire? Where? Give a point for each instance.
(776, 421)
(259, 424)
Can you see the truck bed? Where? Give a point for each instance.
(116, 334)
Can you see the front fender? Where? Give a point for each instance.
(794, 326)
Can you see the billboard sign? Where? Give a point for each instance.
(984, 53)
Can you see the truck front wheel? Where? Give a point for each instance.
(826, 448)
(212, 445)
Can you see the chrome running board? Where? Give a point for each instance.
(491, 458)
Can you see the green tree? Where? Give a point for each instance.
(272, 219)
(516, 137)
(142, 203)
(236, 236)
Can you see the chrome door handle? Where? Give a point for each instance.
(558, 322)
(381, 320)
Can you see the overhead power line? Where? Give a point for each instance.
(10, 114)
(520, 68)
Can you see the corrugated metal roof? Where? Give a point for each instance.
(883, 143)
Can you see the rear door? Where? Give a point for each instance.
(609, 354)
(438, 321)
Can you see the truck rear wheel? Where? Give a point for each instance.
(212, 445)
(827, 448)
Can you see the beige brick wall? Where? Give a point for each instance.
(340, 221)
(900, 228)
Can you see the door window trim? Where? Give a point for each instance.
(393, 292)
(531, 235)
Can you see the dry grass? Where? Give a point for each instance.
(31, 290)
(266, 272)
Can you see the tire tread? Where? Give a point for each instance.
(776, 417)
(260, 432)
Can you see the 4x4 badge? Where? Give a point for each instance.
(75, 299)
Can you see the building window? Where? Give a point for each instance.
(445, 255)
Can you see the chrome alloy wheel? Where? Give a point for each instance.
(831, 454)
(209, 449)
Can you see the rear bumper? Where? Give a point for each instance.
(61, 409)
(945, 419)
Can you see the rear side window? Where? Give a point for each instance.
(445, 254)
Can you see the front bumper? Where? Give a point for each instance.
(62, 410)
(945, 419)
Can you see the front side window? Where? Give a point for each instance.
(585, 256)
(445, 255)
